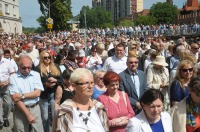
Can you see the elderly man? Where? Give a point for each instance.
(32, 52)
(5, 101)
(25, 88)
(133, 81)
(116, 63)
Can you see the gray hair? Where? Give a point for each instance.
(23, 58)
(78, 74)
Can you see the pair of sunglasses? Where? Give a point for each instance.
(186, 70)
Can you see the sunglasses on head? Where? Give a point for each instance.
(185, 70)
(47, 57)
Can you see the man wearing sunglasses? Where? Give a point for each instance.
(5, 101)
(25, 89)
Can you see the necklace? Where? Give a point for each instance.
(85, 118)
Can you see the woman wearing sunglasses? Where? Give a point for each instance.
(51, 77)
(185, 114)
(179, 87)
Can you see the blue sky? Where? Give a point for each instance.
(29, 9)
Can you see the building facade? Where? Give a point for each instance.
(10, 20)
(190, 13)
(120, 8)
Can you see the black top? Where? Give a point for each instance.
(66, 94)
(44, 79)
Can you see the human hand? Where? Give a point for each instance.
(31, 119)
(4, 83)
(52, 79)
(16, 97)
(138, 105)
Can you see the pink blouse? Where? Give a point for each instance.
(116, 110)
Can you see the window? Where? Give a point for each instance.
(7, 11)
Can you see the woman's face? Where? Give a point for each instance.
(153, 110)
(113, 87)
(99, 80)
(94, 52)
(84, 86)
(47, 58)
(63, 60)
(186, 71)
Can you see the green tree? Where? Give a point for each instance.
(145, 20)
(96, 17)
(126, 23)
(60, 12)
(164, 12)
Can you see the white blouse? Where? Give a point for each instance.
(93, 125)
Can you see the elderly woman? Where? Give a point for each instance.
(51, 78)
(81, 113)
(94, 61)
(99, 87)
(158, 78)
(179, 87)
(185, 114)
(151, 118)
(119, 110)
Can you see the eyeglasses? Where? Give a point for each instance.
(101, 78)
(131, 62)
(47, 57)
(94, 51)
(86, 84)
(186, 70)
(195, 48)
(24, 68)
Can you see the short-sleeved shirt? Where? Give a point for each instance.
(25, 84)
(177, 93)
(5, 69)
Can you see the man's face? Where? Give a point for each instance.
(7, 56)
(29, 48)
(119, 52)
(194, 48)
(132, 63)
(25, 67)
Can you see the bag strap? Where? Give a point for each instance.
(123, 94)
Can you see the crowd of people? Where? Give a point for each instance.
(62, 82)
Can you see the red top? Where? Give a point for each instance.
(197, 128)
(116, 110)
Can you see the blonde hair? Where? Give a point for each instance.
(52, 67)
(181, 65)
(78, 74)
(98, 73)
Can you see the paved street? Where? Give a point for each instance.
(8, 129)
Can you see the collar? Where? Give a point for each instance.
(131, 73)
(20, 75)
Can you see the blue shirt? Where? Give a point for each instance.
(136, 82)
(25, 84)
(177, 93)
(157, 127)
(97, 93)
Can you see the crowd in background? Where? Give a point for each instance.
(113, 80)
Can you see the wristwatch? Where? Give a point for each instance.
(23, 97)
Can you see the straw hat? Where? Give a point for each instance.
(160, 60)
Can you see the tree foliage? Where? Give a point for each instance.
(164, 12)
(145, 20)
(60, 12)
(126, 23)
(96, 17)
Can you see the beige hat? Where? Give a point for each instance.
(160, 60)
